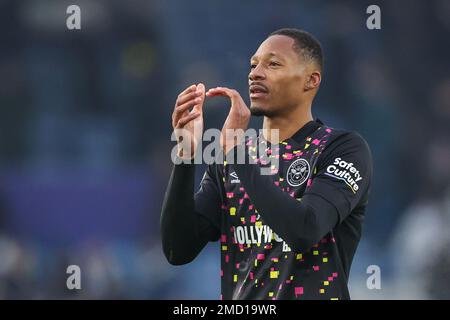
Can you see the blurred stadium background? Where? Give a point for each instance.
(85, 136)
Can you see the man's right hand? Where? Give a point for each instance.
(187, 123)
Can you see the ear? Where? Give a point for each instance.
(313, 81)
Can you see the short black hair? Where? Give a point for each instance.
(305, 44)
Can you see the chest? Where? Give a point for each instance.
(293, 167)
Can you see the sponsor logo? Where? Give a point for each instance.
(235, 178)
(258, 235)
(345, 171)
(298, 172)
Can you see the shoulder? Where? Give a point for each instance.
(348, 146)
(345, 140)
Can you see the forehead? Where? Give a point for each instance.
(278, 45)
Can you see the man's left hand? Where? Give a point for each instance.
(237, 119)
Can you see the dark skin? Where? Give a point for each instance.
(289, 80)
(282, 86)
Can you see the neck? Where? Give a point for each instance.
(287, 124)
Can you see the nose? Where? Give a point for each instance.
(257, 73)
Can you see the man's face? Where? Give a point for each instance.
(277, 77)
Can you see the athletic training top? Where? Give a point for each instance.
(288, 235)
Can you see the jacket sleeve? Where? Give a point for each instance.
(189, 221)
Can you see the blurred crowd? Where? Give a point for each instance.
(85, 136)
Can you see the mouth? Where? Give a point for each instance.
(258, 91)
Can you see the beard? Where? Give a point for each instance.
(260, 112)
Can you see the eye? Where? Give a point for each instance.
(252, 66)
(274, 63)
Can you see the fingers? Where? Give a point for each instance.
(234, 96)
(189, 104)
(201, 97)
(222, 91)
(184, 120)
(188, 89)
(191, 97)
(201, 88)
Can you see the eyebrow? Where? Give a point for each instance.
(271, 54)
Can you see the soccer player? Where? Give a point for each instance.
(289, 235)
